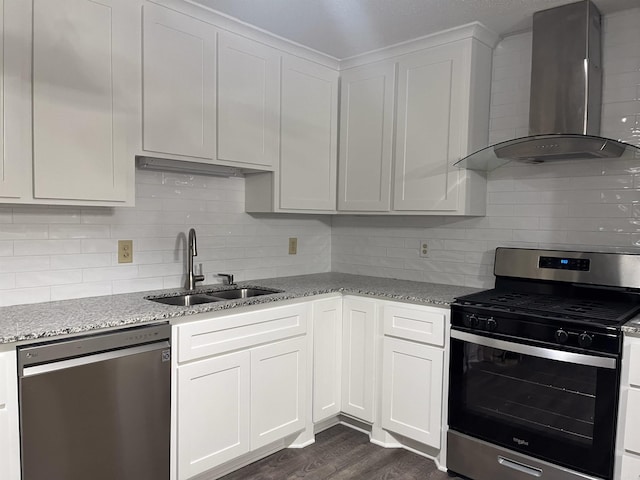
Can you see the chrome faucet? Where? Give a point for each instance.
(192, 251)
(229, 278)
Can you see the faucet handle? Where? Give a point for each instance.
(228, 276)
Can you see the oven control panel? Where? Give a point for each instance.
(559, 263)
(564, 335)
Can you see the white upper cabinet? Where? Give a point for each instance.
(305, 180)
(443, 109)
(366, 137)
(308, 157)
(179, 72)
(82, 74)
(248, 101)
(14, 89)
(70, 97)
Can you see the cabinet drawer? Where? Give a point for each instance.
(420, 324)
(222, 334)
(634, 364)
(630, 467)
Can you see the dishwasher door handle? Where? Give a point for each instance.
(97, 357)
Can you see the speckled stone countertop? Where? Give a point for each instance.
(52, 319)
(632, 327)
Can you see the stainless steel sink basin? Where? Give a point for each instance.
(189, 299)
(241, 293)
(185, 300)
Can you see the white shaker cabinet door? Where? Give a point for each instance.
(278, 390)
(308, 136)
(15, 95)
(179, 104)
(248, 101)
(429, 125)
(366, 137)
(412, 390)
(358, 357)
(327, 358)
(85, 79)
(9, 436)
(213, 412)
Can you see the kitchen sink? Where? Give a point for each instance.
(241, 293)
(189, 299)
(185, 300)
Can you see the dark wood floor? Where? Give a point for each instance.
(341, 453)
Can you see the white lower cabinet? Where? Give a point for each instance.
(213, 423)
(628, 436)
(358, 357)
(9, 436)
(241, 384)
(412, 390)
(278, 379)
(413, 371)
(327, 358)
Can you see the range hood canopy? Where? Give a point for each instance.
(566, 95)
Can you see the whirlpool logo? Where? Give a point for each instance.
(520, 442)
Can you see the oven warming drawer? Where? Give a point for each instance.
(482, 461)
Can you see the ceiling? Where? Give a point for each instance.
(344, 28)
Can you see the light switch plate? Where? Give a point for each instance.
(125, 251)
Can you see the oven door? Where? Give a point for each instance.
(550, 404)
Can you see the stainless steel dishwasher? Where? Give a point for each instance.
(97, 407)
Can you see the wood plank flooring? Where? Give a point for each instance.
(341, 453)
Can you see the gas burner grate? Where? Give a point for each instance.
(554, 306)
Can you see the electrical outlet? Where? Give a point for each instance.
(424, 249)
(293, 245)
(125, 251)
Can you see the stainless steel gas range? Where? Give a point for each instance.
(535, 366)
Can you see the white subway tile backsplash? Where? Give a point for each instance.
(77, 290)
(47, 278)
(46, 247)
(23, 231)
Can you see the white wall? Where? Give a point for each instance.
(54, 253)
(591, 205)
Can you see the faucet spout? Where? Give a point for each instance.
(192, 251)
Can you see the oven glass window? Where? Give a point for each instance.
(543, 395)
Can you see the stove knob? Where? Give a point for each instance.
(561, 336)
(473, 320)
(491, 324)
(585, 340)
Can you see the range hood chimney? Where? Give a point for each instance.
(566, 94)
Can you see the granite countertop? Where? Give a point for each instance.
(51, 319)
(632, 327)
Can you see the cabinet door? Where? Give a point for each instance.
(412, 390)
(630, 467)
(248, 101)
(15, 95)
(358, 357)
(213, 412)
(428, 130)
(278, 390)
(327, 354)
(9, 437)
(308, 136)
(179, 58)
(84, 83)
(366, 137)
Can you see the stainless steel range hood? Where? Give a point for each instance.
(566, 95)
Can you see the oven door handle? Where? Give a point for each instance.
(548, 353)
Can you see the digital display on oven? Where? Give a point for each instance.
(559, 263)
